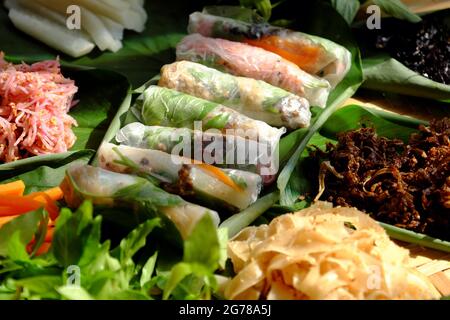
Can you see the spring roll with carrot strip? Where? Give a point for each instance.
(253, 98)
(312, 54)
(231, 189)
(133, 197)
(159, 106)
(224, 151)
(241, 59)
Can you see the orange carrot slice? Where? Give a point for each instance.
(219, 174)
(15, 188)
(14, 205)
(49, 234)
(54, 193)
(302, 56)
(47, 201)
(5, 220)
(43, 248)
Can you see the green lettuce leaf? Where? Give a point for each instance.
(195, 273)
(79, 266)
(72, 233)
(18, 232)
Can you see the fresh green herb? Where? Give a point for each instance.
(347, 9)
(202, 256)
(79, 265)
(396, 9)
(264, 7)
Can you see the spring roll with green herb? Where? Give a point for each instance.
(244, 60)
(159, 106)
(253, 98)
(224, 151)
(135, 195)
(231, 189)
(312, 54)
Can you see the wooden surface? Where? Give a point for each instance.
(432, 263)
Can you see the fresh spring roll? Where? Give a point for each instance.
(241, 59)
(253, 98)
(312, 54)
(137, 196)
(231, 189)
(159, 106)
(224, 151)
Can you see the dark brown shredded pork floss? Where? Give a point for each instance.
(407, 185)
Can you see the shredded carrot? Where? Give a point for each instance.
(219, 174)
(14, 205)
(54, 193)
(301, 55)
(49, 234)
(15, 188)
(43, 248)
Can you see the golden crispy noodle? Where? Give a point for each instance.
(322, 253)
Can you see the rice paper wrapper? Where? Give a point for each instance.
(315, 55)
(183, 176)
(253, 98)
(245, 60)
(159, 106)
(224, 151)
(110, 189)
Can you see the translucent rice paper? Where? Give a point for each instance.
(249, 61)
(234, 188)
(225, 151)
(166, 107)
(322, 253)
(106, 188)
(312, 54)
(253, 98)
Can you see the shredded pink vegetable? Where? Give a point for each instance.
(34, 102)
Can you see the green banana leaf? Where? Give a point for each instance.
(353, 117)
(292, 146)
(384, 73)
(50, 174)
(142, 54)
(101, 94)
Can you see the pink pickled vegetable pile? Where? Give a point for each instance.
(34, 104)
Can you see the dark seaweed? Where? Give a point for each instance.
(423, 47)
(404, 184)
